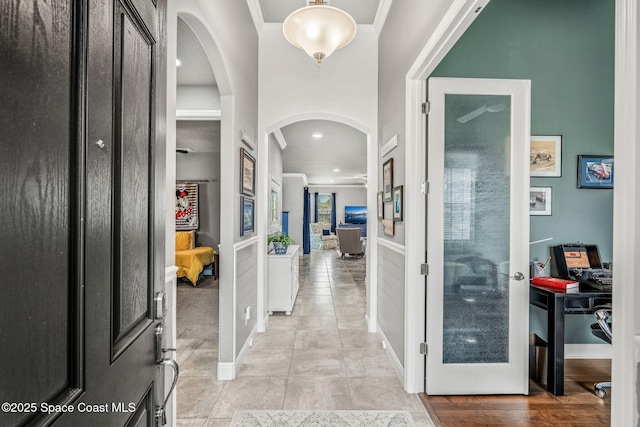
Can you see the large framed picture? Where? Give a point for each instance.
(595, 171)
(397, 203)
(545, 158)
(247, 173)
(387, 180)
(247, 215)
(540, 201)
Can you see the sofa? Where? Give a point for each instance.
(319, 240)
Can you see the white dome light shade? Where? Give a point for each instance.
(319, 30)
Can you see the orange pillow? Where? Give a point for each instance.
(184, 240)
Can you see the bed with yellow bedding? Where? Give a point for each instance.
(189, 259)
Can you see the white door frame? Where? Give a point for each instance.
(455, 22)
(626, 212)
(626, 216)
(510, 376)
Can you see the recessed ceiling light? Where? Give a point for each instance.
(330, 180)
(178, 62)
(317, 135)
(336, 170)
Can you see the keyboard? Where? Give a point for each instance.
(598, 284)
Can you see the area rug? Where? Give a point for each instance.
(322, 418)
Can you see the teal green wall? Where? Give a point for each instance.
(566, 49)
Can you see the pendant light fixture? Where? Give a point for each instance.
(319, 29)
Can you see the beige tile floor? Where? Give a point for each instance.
(320, 357)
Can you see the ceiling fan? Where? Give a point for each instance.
(479, 111)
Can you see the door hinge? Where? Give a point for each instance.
(426, 107)
(424, 187)
(424, 269)
(423, 348)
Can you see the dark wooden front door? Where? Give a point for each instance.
(81, 167)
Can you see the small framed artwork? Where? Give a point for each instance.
(595, 171)
(397, 203)
(388, 226)
(246, 215)
(380, 206)
(545, 157)
(247, 173)
(387, 180)
(540, 201)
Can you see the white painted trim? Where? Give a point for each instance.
(170, 288)
(263, 324)
(256, 14)
(236, 248)
(243, 244)
(389, 146)
(305, 181)
(393, 357)
(381, 15)
(198, 114)
(455, 22)
(170, 272)
(337, 185)
(280, 138)
(587, 351)
(226, 371)
(415, 232)
(371, 326)
(396, 247)
(626, 215)
(247, 139)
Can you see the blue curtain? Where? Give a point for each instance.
(333, 212)
(306, 238)
(315, 207)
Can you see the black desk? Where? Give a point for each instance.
(558, 303)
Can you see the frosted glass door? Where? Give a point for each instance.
(478, 228)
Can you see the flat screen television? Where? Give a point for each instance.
(355, 214)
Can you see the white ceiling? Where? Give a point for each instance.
(342, 146)
(363, 11)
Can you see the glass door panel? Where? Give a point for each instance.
(478, 236)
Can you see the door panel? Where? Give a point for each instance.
(39, 303)
(133, 285)
(478, 234)
(78, 176)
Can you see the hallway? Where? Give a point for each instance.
(320, 357)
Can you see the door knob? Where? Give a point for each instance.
(517, 276)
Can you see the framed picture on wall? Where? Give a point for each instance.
(247, 215)
(595, 171)
(380, 206)
(388, 227)
(545, 158)
(247, 173)
(387, 180)
(397, 203)
(540, 201)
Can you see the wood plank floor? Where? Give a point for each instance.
(579, 407)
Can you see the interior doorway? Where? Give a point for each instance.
(198, 128)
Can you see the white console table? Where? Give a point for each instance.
(283, 280)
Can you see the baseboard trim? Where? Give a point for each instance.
(226, 371)
(370, 324)
(391, 354)
(588, 351)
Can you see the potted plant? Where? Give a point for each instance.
(281, 242)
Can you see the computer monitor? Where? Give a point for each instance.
(575, 256)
